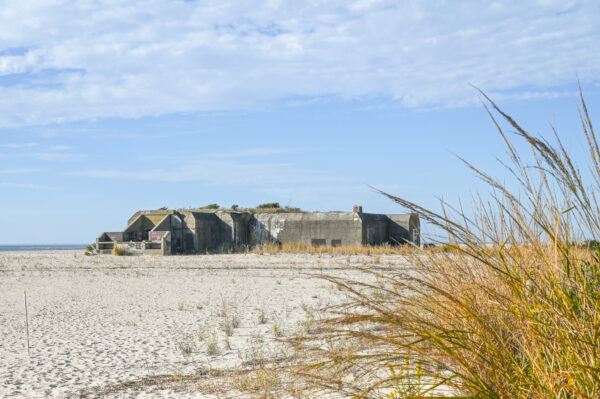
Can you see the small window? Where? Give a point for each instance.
(336, 243)
(318, 242)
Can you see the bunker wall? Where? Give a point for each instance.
(136, 231)
(307, 228)
(164, 224)
(214, 231)
(403, 227)
(236, 225)
(375, 229)
(176, 236)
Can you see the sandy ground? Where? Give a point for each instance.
(106, 321)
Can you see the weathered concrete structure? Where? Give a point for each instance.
(169, 232)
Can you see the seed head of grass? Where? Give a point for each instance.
(507, 307)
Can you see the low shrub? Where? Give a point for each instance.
(269, 205)
(90, 250)
(119, 250)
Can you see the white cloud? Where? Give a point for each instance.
(18, 171)
(45, 156)
(131, 58)
(52, 156)
(18, 145)
(254, 152)
(220, 172)
(248, 153)
(26, 186)
(42, 153)
(60, 148)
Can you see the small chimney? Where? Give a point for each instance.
(357, 209)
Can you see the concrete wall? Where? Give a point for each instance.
(188, 232)
(375, 229)
(136, 230)
(192, 231)
(164, 224)
(306, 228)
(219, 231)
(166, 244)
(402, 228)
(176, 234)
(237, 226)
(105, 241)
(153, 215)
(265, 228)
(111, 236)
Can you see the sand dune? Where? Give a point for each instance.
(121, 322)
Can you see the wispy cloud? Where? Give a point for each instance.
(337, 192)
(19, 171)
(170, 57)
(233, 154)
(45, 156)
(254, 152)
(30, 186)
(325, 193)
(39, 152)
(221, 172)
(60, 148)
(18, 145)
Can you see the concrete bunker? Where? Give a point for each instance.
(183, 231)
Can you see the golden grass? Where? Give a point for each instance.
(118, 250)
(339, 250)
(511, 311)
(261, 382)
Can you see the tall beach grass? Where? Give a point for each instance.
(512, 311)
(297, 247)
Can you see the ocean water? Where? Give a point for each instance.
(47, 247)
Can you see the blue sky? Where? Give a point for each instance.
(107, 107)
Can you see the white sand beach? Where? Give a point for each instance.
(106, 326)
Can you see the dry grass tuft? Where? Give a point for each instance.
(339, 250)
(511, 309)
(118, 250)
(264, 381)
(212, 346)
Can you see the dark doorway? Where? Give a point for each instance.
(177, 245)
(188, 244)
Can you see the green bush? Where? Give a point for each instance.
(90, 250)
(269, 205)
